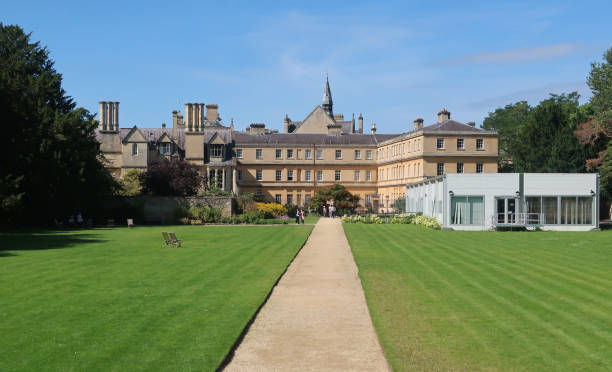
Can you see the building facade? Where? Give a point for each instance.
(550, 201)
(316, 152)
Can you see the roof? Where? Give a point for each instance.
(451, 125)
(310, 138)
(152, 134)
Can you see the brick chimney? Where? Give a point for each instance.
(212, 112)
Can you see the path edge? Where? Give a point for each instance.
(232, 351)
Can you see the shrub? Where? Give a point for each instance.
(271, 210)
(425, 221)
(206, 214)
(404, 218)
(291, 210)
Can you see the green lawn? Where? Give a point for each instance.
(452, 300)
(115, 300)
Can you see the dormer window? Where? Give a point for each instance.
(216, 151)
(164, 148)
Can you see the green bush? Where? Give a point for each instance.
(206, 214)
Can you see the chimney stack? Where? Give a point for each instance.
(201, 118)
(373, 128)
(443, 115)
(360, 123)
(353, 124)
(188, 117)
(109, 115)
(212, 112)
(418, 123)
(286, 123)
(472, 124)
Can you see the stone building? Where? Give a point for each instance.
(318, 151)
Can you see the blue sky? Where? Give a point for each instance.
(392, 61)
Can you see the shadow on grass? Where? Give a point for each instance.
(43, 240)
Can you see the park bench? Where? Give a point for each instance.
(170, 239)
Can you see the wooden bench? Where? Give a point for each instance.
(170, 239)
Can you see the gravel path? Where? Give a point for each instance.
(316, 318)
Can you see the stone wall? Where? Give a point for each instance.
(158, 209)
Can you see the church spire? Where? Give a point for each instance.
(328, 104)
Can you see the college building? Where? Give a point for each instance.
(288, 167)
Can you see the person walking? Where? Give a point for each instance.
(297, 216)
(324, 211)
(302, 215)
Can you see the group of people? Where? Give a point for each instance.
(299, 216)
(75, 220)
(329, 211)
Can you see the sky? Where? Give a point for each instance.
(260, 60)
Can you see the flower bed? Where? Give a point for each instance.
(405, 218)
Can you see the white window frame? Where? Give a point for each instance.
(258, 154)
(337, 176)
(289, 174)
(290, 153)
(134, 147)
(438, 142)
(338, 152)
(319, 175)
(368, 154)
(239, 153)
(278, 198)
(481, 166)
(278, 154)
(307, 154)
(357, 176)
(308, 175)
(163, 145)
(462, 142)
(278, 175)
(319, 154)
(368, 175)
(259, 174)
(438, 173)
(481, 147)
(460, 168)
(357, 154)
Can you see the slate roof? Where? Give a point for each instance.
(152, 134)
(310, 138)
(451, 125)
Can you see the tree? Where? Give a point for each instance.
(178, 178)
(600, 82)
(50, 167)
(605, 174)
(507, 121)
(545, 142)
(130, 183)
(344, 201)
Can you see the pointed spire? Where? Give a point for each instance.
(328, 104)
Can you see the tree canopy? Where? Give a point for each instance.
(600, 82)
(344, 201)
(178, 178)
(50, 167)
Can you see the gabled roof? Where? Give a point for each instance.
(134, 131)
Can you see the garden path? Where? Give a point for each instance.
(317, 318)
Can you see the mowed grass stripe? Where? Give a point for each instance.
(477, 307)
(576, 294)
(502, 277)
(572, 261)
(560, 330)
(122, 302)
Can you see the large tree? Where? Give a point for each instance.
(507, 121)
(546, 142)
(600, 82)
(50, 166)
